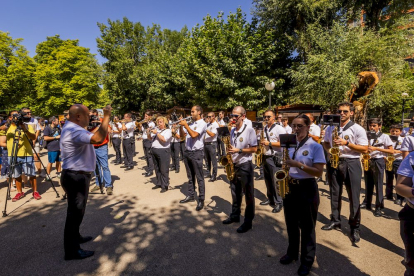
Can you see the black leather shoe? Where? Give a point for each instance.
(85, 239)
(200, 205)
(277, 208)
(332, 226)
(148, 174)
(172, 169)
(116, 163)
(163, 190)
(144, 173)
(212, 179)
(123, 167)
(260, 177)
(230, 221)
(177, 171)
(287, 260)
(78, 255)
(355, 235)
(156, 187)
(398, 202)
(303, 270)
(244, 228)
(265, 202)
(207, 176)
(187, 199)
(129, 168)
(378, 212)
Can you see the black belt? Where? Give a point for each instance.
(194, 150)
(208, 143)
(374, 159)
(346, 158)
(300, 181)
(77, 172)
(97, 147)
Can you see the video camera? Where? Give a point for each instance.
(20, 118)
(94, 122)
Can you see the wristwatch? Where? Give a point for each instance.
(347, 143)
(302, 167)
(240, 151)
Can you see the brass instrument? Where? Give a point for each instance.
(320, 136)
(124, 121)
(174, 130)
(365, 161)
(334, 150)
(282, 176)
(227, 160)
(410, 131)
(189, 119)
(258, 156)
(389, 160)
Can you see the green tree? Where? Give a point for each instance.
(16, 73)
(66, 73)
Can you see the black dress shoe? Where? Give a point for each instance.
(123, 167)
(148, 174)
(303, 270)
(265, 202)
(332, 226)
(177, 171)
(116, 163)
(355, 235)
(187, 199)
(144, 173)
(207, 176)
(156, 187)
(260, 177)
(129, 168)
(244, 228)
(277, 208)
(80, 254)
(200, 205)
(172, 169)
(212, 179)
(163, 190)
(230, 221)
(287, 260)
(85, 239)
(378, 212)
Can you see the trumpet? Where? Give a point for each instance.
(124, 121)
(188, 119)
(334, 151)
(389, 160)
(282, 176)
(227, 160)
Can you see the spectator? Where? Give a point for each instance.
(37, 129)
(52, 136)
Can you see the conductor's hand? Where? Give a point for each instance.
(107, 110)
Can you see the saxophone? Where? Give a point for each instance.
(334, 150)
(389, 160)
(365, 161)
(282, 176)
(227, 160)
(260, 150)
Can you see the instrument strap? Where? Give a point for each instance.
(267, 136)
(238, 134)
(299, 146)
(376, 139)
(348, 125)
(156, 136)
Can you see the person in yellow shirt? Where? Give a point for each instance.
(24, 157)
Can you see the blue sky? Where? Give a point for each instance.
(35, 20)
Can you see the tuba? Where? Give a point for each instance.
(258, 157)
(334, 150)
(389, 160)
(282, 176)
(227, 160)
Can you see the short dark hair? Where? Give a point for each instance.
(377, 121)
(11, 111)
(397, 126)
(350, 105)
(199, 108)
(221, 112)
(149, 113)
(129, 115)
(305, 118)
(51, 119)
(270, 110)
(94, 110)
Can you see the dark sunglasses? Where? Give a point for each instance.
(267, 117)
(343, 111)
(209, 116)
(234, 115)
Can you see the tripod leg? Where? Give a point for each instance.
(13, 161)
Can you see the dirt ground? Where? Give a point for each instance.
(138, 231)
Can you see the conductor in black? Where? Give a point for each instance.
(352, 141)
(194, 154)
(243, 142)
(301, 204)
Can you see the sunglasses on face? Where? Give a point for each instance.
(234, 116)
(267, 117)
(343, 111)
(209, 116)
(297, 126)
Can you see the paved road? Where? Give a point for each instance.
(142, 232)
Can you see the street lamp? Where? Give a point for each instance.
(404, 98)
(269, 87)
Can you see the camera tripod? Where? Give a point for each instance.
(13, 163)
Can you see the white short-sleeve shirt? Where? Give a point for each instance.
(273, 133)
(243, 139)
(382, 142)
(408, 144)
(76, 149)
(144, 130)
(310, 153)
(406, 169)
(117, 128)
(288, 129)
(129, 133)
(221, 122)
(248, 122)
(193, 144)
(355, 135)
(397, 146)
(157, 144)
(174, 139)
(315, 130)
(212, 127)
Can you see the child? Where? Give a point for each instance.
(395, 130)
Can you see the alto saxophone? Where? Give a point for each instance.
(389, 160)
(260, 150)
(282, 176)
(365, 161)
(334, 150)
(227, 160)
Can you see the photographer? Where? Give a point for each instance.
(26, 112)
(79, 161)
(52, 137)
(24, 160)
(102, 171)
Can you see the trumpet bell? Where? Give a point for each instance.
(280, 175)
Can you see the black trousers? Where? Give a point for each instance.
(148, 156)
(348, 173)
(243, 182)
(211, 159)
(116, 142)
(270, 168)
(301, 209)
(182, 149)
(374, 177)
(193, 161)
(161, 163)
(390, 175)
(221, 148)
(175, 155)
(76, 187)
(127, 146)
(406, 216)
